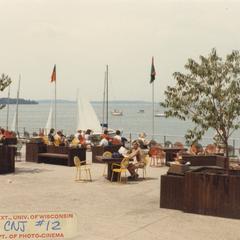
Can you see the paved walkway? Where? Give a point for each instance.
(107, 210)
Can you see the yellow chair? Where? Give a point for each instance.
(106, 154)
(121, 168)
(144, 168)
(80, 166)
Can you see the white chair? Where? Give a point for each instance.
(106, 154)
(81, 166)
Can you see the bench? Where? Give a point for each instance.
(54, 158)
(38, 152)
(53, 155)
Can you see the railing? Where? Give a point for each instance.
(163, 139)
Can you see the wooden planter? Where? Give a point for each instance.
(7, 159)
(210, 192)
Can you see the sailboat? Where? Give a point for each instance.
(104, 123)
(115, 112)
(86, 116)
(14, 126)
(49, 121)
(159, 115)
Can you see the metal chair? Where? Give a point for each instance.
(120, 168)
(157, 156)
(18, 151)
(144, 168)
(82, 166)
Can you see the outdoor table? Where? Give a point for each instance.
(109, 162)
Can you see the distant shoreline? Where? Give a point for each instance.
(47, 101)
(14, 101)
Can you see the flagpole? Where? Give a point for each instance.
(104, 101)
(153, 130)
(17, 105)
(107, 96)
(8, 106)
(55, 105)
(153, 74)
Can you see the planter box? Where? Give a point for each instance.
(7, 159)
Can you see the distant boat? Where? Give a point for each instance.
(141, 111)
(116, 112)
(159, 115)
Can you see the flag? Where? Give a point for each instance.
(54, 76)
(153, 73)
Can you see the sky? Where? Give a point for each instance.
(82, 36)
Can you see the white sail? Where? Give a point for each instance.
(49, 121)
(14, 126)
(86, 116)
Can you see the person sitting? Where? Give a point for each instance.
(196, 149)
(104, 141)
(139, 155)
(124, 141)
(2, 134)
(82, 140)
(105, 135)
(79, 140)
(79, 132)
(87, 136)
(143, 141)
(75, 141)
(210, 149)
(8, 134)
(59, 139)
(51, 136)
(117, 140)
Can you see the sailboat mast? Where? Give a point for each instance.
(8, 107)
(17, 103)
(107, 95)
(104, 99)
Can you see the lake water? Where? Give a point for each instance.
(33, 117)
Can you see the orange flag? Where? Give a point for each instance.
(54, 76)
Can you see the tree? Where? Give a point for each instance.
(208, 94)
(5, 81)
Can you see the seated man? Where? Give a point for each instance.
(138, 153)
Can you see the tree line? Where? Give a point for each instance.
(14, 101)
